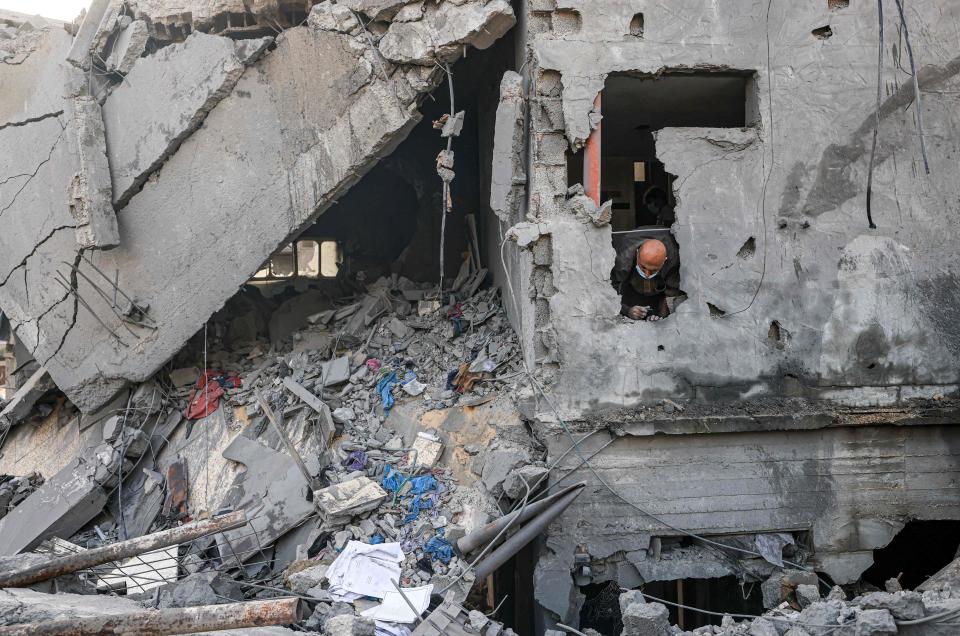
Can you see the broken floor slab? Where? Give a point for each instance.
(271, 156)
(272, 492)
(144, 127)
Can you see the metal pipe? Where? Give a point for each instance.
(477, 538)
(591, 158)
(122, 550)
(185, 620)
(525, 535)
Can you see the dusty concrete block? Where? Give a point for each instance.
(340, 502)
(429, 449)
(646, 619)
(445, 30)
(498, 466)
(763, 627)
(875, 622)
(91, 200)
(905, 606)
(300, 582)
(375, 9)
(128, 47)
(163, 100)
(807, 594)
(776, 588)
(21, 404)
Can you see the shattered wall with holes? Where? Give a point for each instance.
(174, 172)
(822, 319)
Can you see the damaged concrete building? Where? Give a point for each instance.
(359, 270)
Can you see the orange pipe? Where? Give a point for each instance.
(591, 159)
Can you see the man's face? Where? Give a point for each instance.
(650, 258)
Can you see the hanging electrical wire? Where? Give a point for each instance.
(876, 121)
(916, 86)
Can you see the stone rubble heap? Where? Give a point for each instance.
(872, 614)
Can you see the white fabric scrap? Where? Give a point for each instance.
(364, 570)
(394, 608)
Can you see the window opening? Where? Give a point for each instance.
(304, 258)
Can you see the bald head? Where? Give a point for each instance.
(651, 256)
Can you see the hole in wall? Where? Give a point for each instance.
(715, 312)
(748, 249)
(636, 26)
(661, 348)
(834, 5)
(774, 333)
(633, 178)
(601, 609)
(918, 551)
(823, 32)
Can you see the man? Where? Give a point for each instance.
(646, 273)
(657, 204)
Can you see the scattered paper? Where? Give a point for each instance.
(364, 570)
(395, 610)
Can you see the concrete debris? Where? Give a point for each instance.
(130, 44)
(873, 614)
(445, 29)
(340, 502)
(14, 490)
(21, 405)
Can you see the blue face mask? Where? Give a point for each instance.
(644, 276)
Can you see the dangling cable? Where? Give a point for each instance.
(916, 86)
(876, 122)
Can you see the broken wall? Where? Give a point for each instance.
(280, 141)
(825, 315)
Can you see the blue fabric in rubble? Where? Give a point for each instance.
(385, 388)
(423, 484)
(439, 548)
(392, 479)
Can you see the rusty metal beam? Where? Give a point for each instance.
(185, 620)
(122, 550)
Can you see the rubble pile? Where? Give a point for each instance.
(935, 610)
(357, 515)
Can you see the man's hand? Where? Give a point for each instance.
(638, 312)
(653, 318)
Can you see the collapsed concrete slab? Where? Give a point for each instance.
(144, 127)
(271, 491)
(300, 126)
(60, 507)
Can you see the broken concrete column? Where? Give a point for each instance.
(91, 200)
(128, 47)
(23, 401)
(508, 176)
(144, 127)
(79, 54)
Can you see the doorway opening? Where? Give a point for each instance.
(918, 551)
